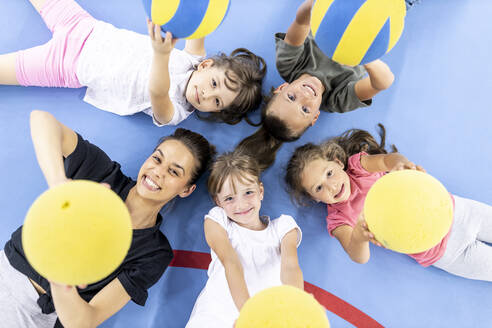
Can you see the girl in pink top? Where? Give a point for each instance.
(340, 172)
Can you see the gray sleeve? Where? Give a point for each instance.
(343, 99)
(288, 58)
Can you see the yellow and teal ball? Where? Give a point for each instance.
(354, 32)
(189, 19)
(77, 233)
(408, 211)
(282, 307)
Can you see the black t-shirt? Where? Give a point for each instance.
(150, 252)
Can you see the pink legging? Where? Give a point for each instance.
(54, 64)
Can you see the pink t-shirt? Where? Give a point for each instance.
(347, 212)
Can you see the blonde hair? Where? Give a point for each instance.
(237, 165)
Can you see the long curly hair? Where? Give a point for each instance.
(339, 148)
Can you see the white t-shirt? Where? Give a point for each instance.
(259, 253)
(115, 66)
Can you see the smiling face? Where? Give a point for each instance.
(166, 173)
(208, 90)
(297, 104)
(241, 197)
(326, 181)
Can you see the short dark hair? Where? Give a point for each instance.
(274, 125)
(203, 152)
(278, 129)
(267, 140)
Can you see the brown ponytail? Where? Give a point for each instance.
(266, 141)
(262, 146)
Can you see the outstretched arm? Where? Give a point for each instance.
(218, 240)
(300, 27)
(8, 75)
(73, 311)
(195, 47)
(159, 82)
(387, 163)
(290, 272)
(380, 78)
(355, 241)
(52, 141)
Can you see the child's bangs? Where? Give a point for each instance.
(240, 177)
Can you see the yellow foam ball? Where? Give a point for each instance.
(77, 233)
(408, 211)
(357, 32)
(282, 307)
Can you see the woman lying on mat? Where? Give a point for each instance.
(171, 170)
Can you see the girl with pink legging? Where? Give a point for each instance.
(126, 73)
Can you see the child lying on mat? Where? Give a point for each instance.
(340, 172)
(126, 73)
(313, 82)
(249, 252)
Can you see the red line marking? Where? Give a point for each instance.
(190, 259)
(341, 308)
(199, 260)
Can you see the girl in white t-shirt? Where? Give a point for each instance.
(249, 252)
(126, 73)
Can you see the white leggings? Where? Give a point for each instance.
(18, 300)
(466, 253)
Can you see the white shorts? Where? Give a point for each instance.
(18, 300)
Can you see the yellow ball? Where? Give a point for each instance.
(190, 19)
(354, 32)
(282, 307)
(408, 211)
(77, 233)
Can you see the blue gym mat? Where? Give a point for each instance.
(436, 112)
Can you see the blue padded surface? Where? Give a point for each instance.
(436, 112)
